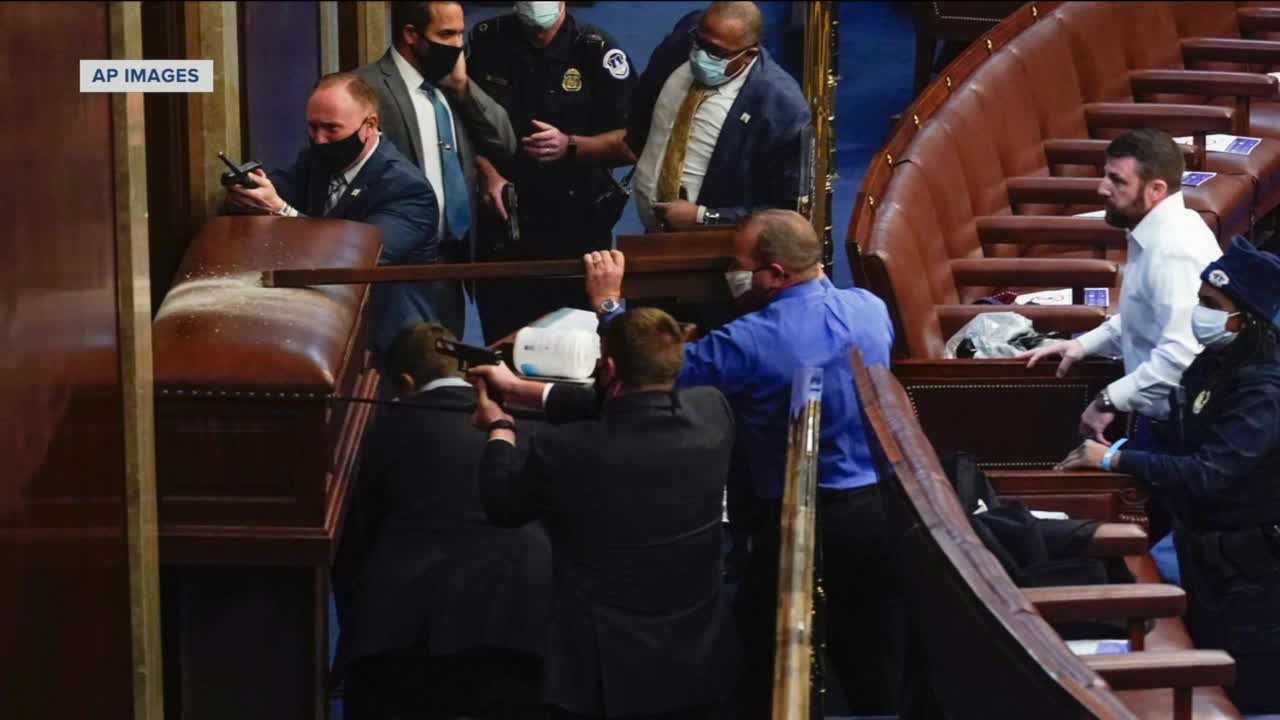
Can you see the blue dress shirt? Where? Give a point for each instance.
(752, 359)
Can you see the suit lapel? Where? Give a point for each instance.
(728, 142)
(404, 104)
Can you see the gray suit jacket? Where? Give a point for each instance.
(483, 124)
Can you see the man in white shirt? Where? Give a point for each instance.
(1169, 245)
(719, 128)
(440, 121)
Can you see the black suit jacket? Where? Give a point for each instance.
(420, 565)
(631, 498)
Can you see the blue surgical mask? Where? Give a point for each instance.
(1210, 327)
(710, 71)
(540, 15)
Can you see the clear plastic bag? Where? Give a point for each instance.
(991, 335)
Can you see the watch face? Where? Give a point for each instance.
(609, 305)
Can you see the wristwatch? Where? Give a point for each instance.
(501, 424)
(572, 151)
(609, 305)
(1104, 402)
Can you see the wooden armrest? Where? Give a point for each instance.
(1258, 19)
(1036, 272)
(1266, 52)
(1070, 603)
(1079, 151)
(1202, 82)
(1173, 119)
(1049, 229)
(1015, 482)
(1064, 190)
(1117, 540)
(1181, 670)
(1045, 318)
(1175, 668)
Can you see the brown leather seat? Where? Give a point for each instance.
(1099, 35)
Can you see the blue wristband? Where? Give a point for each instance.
(1111, 452)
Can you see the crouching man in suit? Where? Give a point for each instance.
(629, 485)
(349, 173)
(443, 614)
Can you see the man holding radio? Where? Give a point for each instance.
(347, 173)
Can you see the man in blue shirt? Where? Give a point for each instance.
(793, 317)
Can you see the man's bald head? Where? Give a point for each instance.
(742, 19)
(784, 237)
(339, 105)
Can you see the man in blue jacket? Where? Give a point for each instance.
(348, 173)
(719, 128)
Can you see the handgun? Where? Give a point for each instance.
(513, 213)
(239, 174)
(468, 356)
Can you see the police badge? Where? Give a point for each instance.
(572, 81)
(1201, 400)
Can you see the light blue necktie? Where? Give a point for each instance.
(457, 205)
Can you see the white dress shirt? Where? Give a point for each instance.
(429, 157)
(707, 121)
(1168, 250)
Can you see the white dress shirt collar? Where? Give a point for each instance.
(1153, 225)
(412, 78)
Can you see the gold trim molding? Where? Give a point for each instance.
(133, 306)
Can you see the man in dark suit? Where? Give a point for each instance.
(349, 174)
(436, 603)
(630, 490)
(440, 120)
(720, 129)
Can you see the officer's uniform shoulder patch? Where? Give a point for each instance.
(615, 61)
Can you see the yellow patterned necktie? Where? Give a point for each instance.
(673, 160)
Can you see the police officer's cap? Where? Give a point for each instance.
(1248, 276)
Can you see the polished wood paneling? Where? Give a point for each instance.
(64, 603)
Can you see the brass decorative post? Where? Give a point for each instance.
(821, 75)
(794, 655)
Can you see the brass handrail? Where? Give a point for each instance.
(793, 687)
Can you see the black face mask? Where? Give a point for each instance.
(435, 60)
(335, 156)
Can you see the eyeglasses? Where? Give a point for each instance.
(714, 51)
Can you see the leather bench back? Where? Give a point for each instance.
(977, 646)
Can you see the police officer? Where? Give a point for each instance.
(1222, 479)
(566, 86)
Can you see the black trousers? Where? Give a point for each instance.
(860, 619)
(1240, 614)
(485, 684)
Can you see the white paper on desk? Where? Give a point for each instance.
(1049, 515)
(1098, 647)
(1044, 297)
(1221, 142)
(556, 353)
(1092, 213)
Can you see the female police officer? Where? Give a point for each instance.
(1223, 479)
